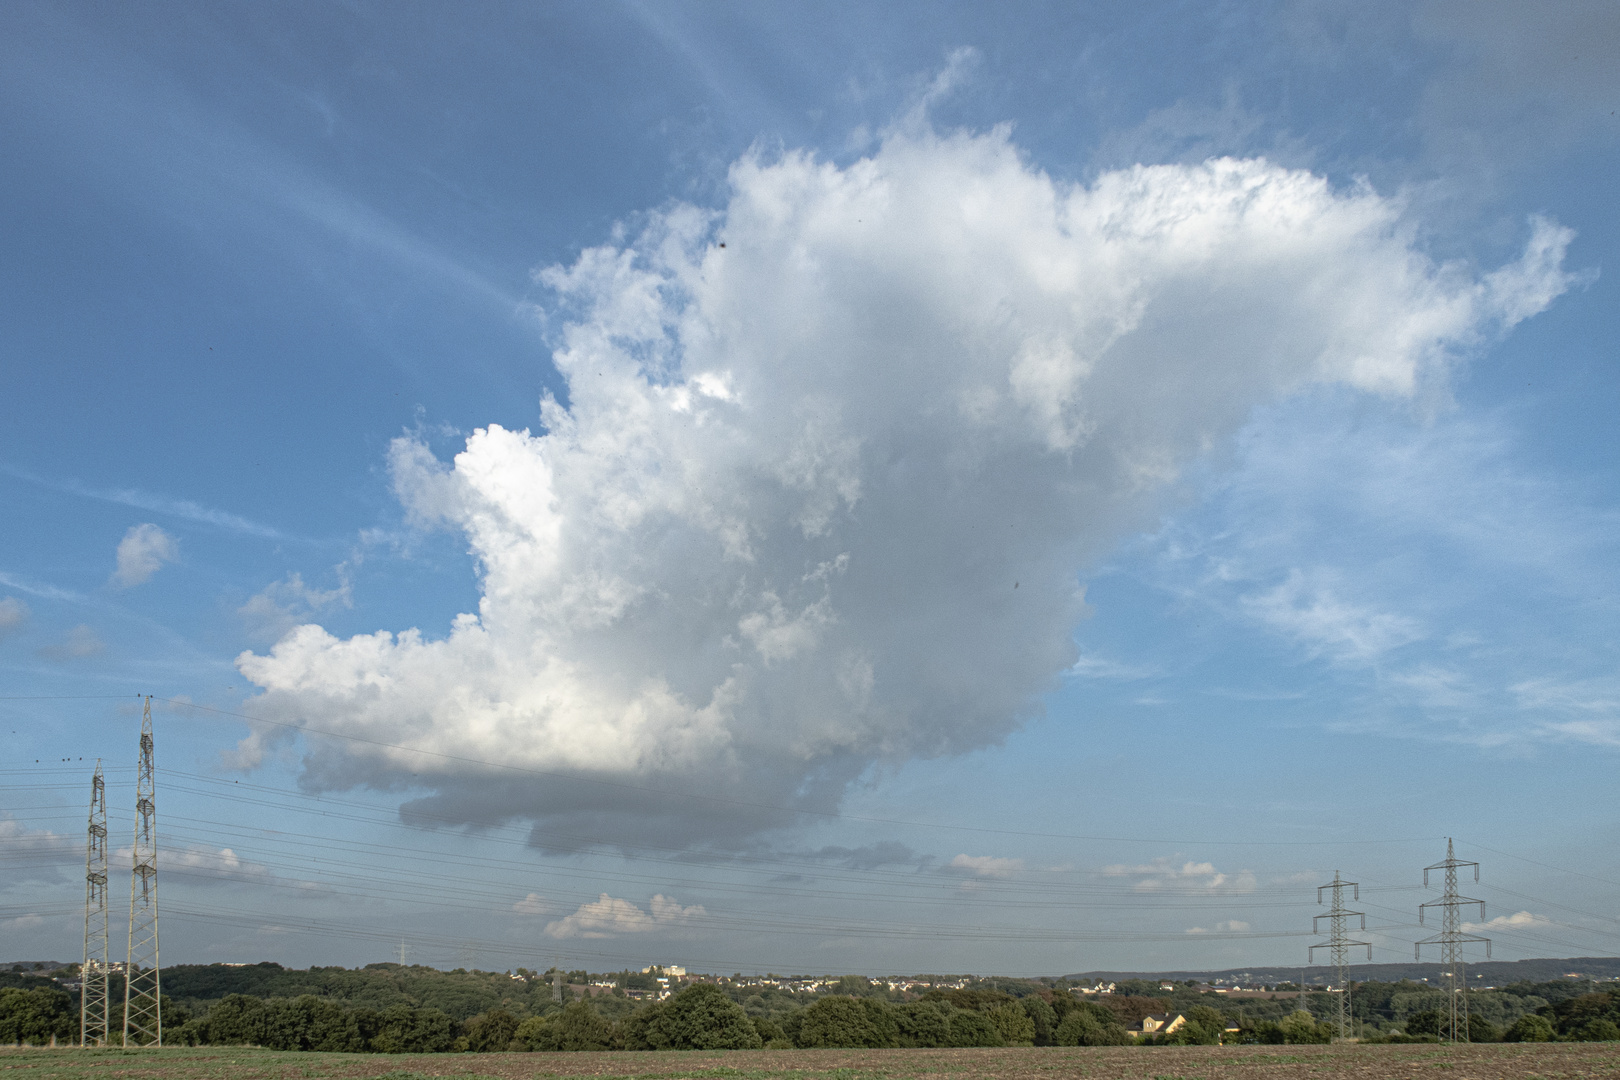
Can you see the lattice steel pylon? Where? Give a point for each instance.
(93, 1016)
(1454, 1024)
(1338, 943)
(143, 1008)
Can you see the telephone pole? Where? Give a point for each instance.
(1451, 939)
(1339, 943)
(93, 1018)
(143, 1008)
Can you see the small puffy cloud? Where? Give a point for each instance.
(81, 643)
(282, 605)
(1230, 926)
(30, 921)
(607, 917)
(818, 499)
(141, 553)
(533, 904)
(13, 614)
(985, 866)
(1164, 874)
(1519, 920)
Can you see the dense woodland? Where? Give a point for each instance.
(389, 1008)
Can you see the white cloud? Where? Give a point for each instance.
(13, 614)
(36, 855)
(199, 864)
(281, 605)
(30, 921)
(81, 643)
(1163, 874)
(1520, 920)
(142, 552)
(533, 904)
(774, 535)
(1231, 926)
(607, 917)
(985, 865)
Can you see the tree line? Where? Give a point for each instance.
(705, 1016)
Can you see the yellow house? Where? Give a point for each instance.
(1161, 1025)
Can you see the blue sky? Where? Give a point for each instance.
(941, 487)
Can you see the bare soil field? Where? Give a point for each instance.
(1523, 1061)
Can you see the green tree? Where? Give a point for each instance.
(1043, 1016)
(701, 1017)
(37, 1016)
(309, 1023)
(1014, 1024)
(536, 1033)
(1599, 1030)
(1529, 1028)
(973, 1029)
(923, 1023)
(1204, 1027)
(238, 1020)
(770, 1035)
(403, 1029)
(580, 1027)
(1301, 1027)
(1089, 1024)
(491, 1032)
(850, 1022)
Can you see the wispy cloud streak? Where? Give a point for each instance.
(185, 509)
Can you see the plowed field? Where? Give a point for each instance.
(1527, 1061)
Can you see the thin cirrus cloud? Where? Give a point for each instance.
(831, 460)
(274, 610)
(1375, 576)
(141, 553)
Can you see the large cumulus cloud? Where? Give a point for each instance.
(832, 459)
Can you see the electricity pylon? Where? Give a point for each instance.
(1338, 943)
(143, 1009)
(93, 1018)
(1451, 939)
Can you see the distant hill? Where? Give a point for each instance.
(40, 967)
(1487, 973)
